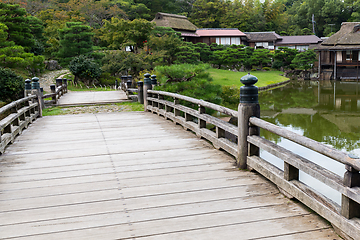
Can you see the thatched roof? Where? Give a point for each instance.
(347, 38)
(262, 36)
(176, 22)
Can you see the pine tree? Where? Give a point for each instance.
(75, 40)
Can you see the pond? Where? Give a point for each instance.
(326, 111)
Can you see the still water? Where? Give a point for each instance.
(326, 111)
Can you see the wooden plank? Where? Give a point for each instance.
(323, 175)
(307, 196)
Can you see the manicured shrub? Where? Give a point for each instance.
(11, 85)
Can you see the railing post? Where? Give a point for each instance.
(27, 90)
(59, 83)
(201, 123)
(147, 86)
(350, 208)
(248, 107)
(153, 81)
(53, 90)
(140, 92)
(65, 81)
(35, 90)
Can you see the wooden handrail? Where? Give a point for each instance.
(288, 180)
(203, 103)
(17, 118)
(308, 143)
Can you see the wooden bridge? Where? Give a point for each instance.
(139, 176)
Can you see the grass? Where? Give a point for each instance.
(230, 78)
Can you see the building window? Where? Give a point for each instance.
(339, 57)
(235, 40)
(302, 48)
(348, 55)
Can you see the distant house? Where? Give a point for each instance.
(301, 43)
(177, 22)
(221, 36)
(262, 39)
(339, 56)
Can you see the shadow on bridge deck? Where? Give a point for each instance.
(136, 176)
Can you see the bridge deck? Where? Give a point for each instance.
(136, 176)
(92, 97)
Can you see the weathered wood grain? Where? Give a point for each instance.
(147, 180)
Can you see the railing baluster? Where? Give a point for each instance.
(350, 208)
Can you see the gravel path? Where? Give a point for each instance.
(49, 78)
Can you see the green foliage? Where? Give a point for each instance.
(17, 22)
(230, 96)
(11, 85)
(304, 60)
(187, 54)
(206, 55)
(84, 69)
(189, 80)
(165, 42)
(75, 40)
(120, 33)
(117, 63)
(260, 57)
(283, 57)
(106, 79)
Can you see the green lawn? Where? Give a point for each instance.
(230, 78)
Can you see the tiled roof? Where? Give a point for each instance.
(306, 39)
(262, 36)
(220, 32)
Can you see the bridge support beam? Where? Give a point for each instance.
(248, 107)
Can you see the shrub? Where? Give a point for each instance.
(84, 69)
(11, 85)
(266, 68)
(189, 80)
(253, 70)
(107, 79)
(230, 96)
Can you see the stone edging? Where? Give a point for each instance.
(274, 85)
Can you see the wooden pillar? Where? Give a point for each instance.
(350, 208)
(65, 84)
(140, 92)
(319, 67)
(335, 66)
(248, 107)
(147, 86)
(201, 123)
(35, 90)
(53, 90)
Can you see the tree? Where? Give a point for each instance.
(19, 28)
(206, 55)
(12, 55)
(260, 57)
(120, 33)
(75, 40)
(164, 42)
(11, 85)
(207, 13)
(283, 57)
(187, 54)
(304, 60)
(84, 69)
(118, 62)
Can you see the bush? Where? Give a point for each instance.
(189, 80)
(11, 85)
(266, 68)
(84, 69)
(107, 79)
(253, 70)
(230, 96)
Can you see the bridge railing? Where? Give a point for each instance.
(244, 143)
(18, 115)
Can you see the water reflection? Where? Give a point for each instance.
(326, 111)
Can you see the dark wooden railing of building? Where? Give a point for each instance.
(244, 143)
